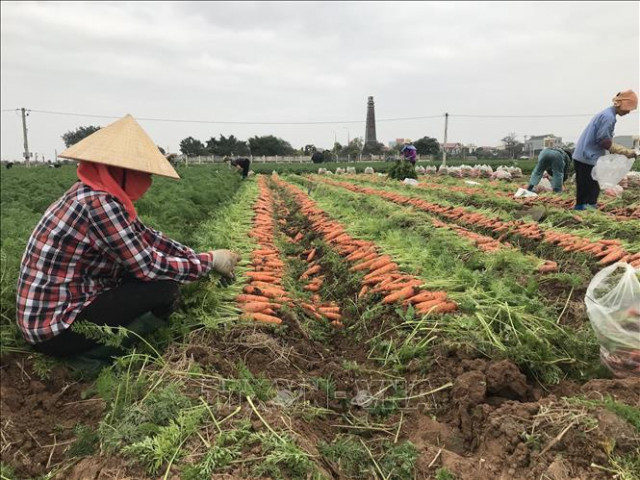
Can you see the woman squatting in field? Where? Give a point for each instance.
(90, 258)
(595, 140)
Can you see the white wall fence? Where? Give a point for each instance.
(201, 160)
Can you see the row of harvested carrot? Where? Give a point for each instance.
(382, 275)
(264, 295)
(313, 279)
(555, 200)
(607, 251)
(619, 213)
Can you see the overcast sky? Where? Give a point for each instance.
(296, 62)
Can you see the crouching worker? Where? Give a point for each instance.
(555, 161)
(410, 154)
(91, 260)
(242, 164)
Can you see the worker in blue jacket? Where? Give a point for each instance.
(594, 142)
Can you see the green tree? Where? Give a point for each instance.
(269, 145)
(317, 157)
(192, 147)
(427, 146)
(227, 146)
(309, 149)
(353, 149)
(74, 136)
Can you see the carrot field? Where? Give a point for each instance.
(375, 330)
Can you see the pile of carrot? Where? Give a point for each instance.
(607, 251)
(263, 295)
(382, 275)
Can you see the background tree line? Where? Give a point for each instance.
(270, 145)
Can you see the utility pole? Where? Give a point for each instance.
(444, 149)
(27, 155)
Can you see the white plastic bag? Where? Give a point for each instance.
(523, 192)
(410, 181)
(543, 186)
(613, 307)
(610, 169)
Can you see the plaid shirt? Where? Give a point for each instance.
(84, 245)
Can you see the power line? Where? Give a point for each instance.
(224, 122)
(522, 116)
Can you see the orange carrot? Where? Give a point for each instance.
(389, 267)
(271, 287)
(399, 295)
(312, 287)
(612, 257)
(548, 268)
(265, 292)
(375, 280)
(427, 296)
(308, 306)
(426, 306)
(251, 298)
(311, 255)
(332, 316)
(329, 309)
(263, 277)
(255, 306)
(382, 261)
(261, 317)
(310, 271)
(363, 291)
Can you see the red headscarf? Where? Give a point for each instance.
(124, 184)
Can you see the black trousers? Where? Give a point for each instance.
(117, 307)
(587, 189)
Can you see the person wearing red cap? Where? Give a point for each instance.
(91, 259)
(594, 142)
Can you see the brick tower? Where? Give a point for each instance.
(370, 132)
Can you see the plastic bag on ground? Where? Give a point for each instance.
(543, 186)
(501, 175)
(410, 181)
(523, 192)
(610, 169)
(613, 307)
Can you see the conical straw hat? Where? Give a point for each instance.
(122, 144)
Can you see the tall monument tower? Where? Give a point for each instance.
(370, 132)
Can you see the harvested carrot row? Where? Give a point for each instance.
(381, 273)
(608, 251)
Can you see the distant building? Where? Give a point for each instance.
(629, 141)
(399, 141)
(535, 143)
(452, 148)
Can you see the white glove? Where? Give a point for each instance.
(224, 261)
